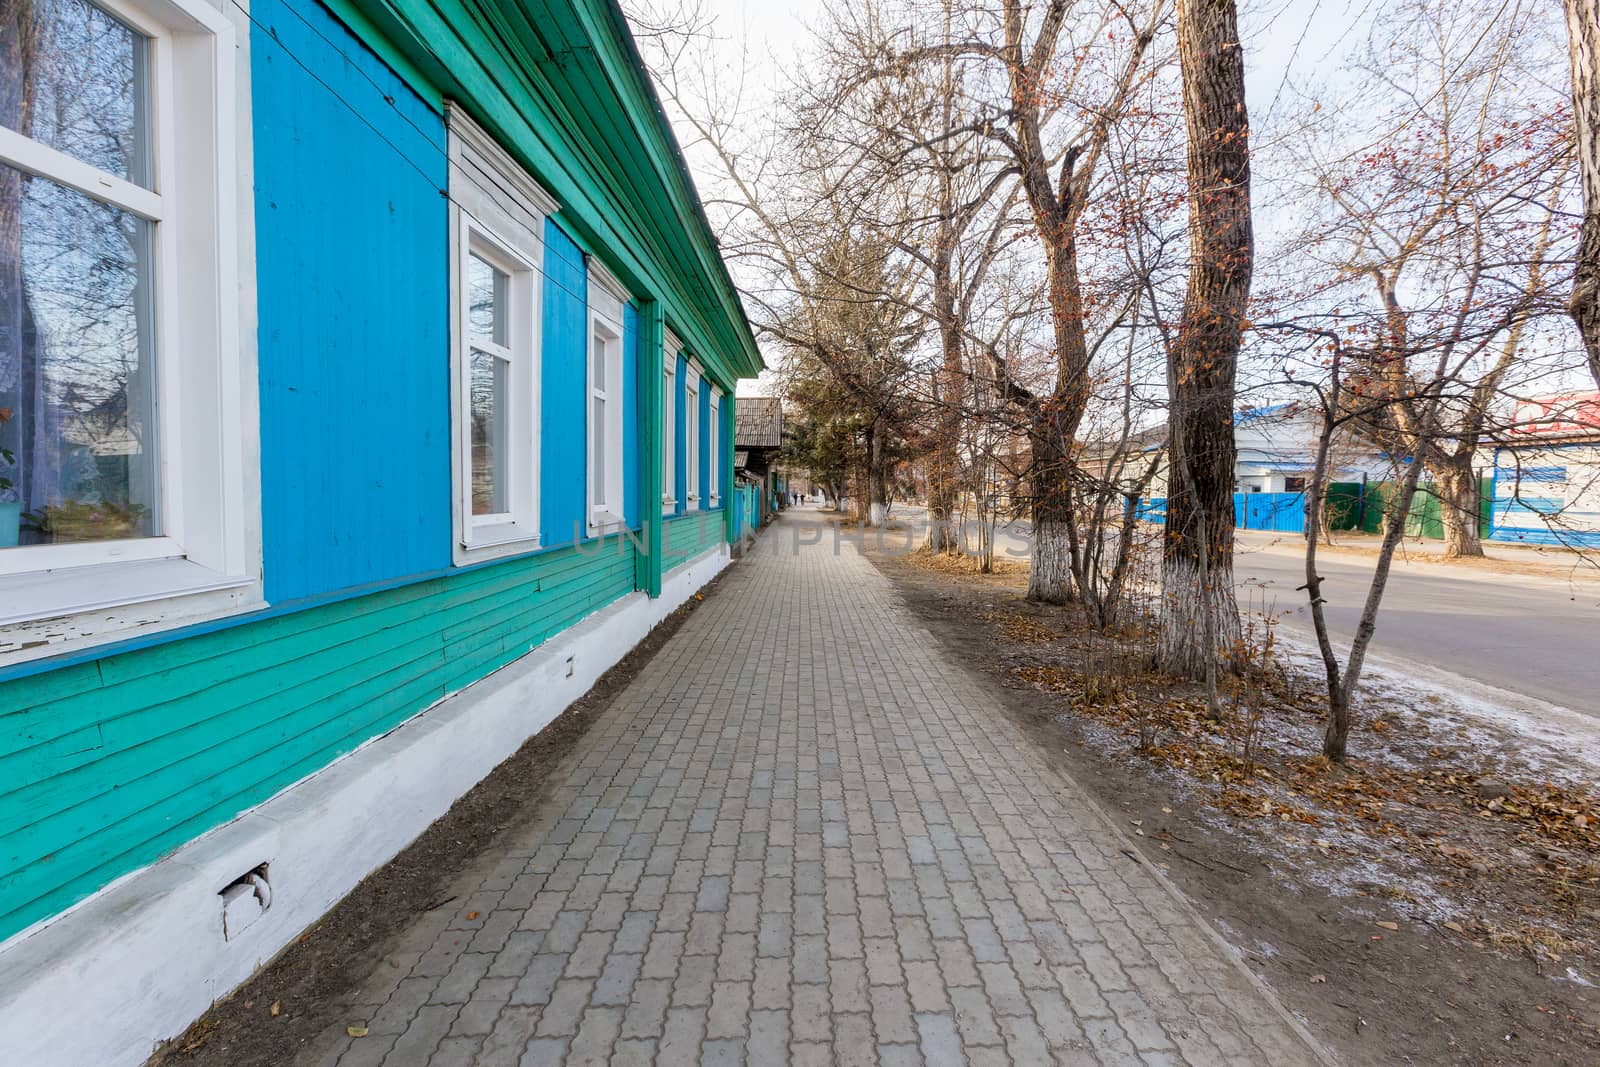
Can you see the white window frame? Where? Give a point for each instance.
(519, 524)
(669, 423)
(691, 439)
(497, 211)
(206, 563)
(606, 300)
(715, 466)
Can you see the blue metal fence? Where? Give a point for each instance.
(1282, 512)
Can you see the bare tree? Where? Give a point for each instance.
(1200, 619)
(913, 125)
(1447, 231)
(1058, 184)
(1338, 408)
(1583, 50)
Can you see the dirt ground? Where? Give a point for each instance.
(303, 991)
(1406, 916)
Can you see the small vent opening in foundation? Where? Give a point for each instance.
(244, 901)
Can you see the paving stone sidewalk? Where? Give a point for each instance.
(800, 835)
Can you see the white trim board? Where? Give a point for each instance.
(112, 957)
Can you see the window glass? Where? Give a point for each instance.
(490, 385)
(78, 442)
(78, 85)
(486, 299)
(597, 462)
(597, 359)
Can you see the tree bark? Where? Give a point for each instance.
(1197, 549)
(1053, 428)
(944, 463)
(1457, 486)
(875, 510)
(1583, 49)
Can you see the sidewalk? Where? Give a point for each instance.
(800, 836)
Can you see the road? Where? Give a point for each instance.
(1535, 636)
(1532, 635)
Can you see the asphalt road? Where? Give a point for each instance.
(1535, 636)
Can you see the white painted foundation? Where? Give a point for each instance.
(102, 984)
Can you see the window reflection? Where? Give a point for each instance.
(486, 300)
(77, 82)
(489, 456)
(77, 427)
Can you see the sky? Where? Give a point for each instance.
(1286, 40)
(1289, 43)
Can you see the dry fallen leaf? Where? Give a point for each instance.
(356, 1031)
(471, 915)
(277, 1007)
(1457, 927)
(1389, 926)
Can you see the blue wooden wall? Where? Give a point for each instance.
(630, 416)
(680, 478)
(563, 440)
(352, 275)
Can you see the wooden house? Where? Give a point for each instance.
(396, 408)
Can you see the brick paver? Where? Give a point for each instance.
(801, 835)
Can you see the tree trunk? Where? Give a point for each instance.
(876, 498)
(950, 390)
(1197, 549)
(1055, 424)
(1583, 47)
(1457, 486)
(944, 463)
(1050, 568)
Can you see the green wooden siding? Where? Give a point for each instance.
(689, 535)
(105, 766)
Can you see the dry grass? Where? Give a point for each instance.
(962, 566)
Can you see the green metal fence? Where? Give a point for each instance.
(1424, 518)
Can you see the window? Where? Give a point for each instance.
(606, 297)
(497, 287)
(715, 489)
(691, 439)
(122, 431)
(497, 219)
(669, 424)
